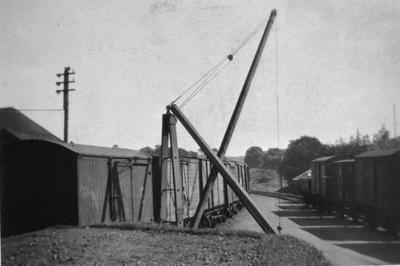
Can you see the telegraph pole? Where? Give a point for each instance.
(66, 74)
(394, 121)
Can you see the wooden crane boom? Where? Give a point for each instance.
(232, 123)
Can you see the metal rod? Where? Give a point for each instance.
(216, 161)
(233, 121)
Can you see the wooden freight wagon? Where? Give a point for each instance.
(46, 183)
(377, 187)
(343, 198)
(194, 173)
(321, 172)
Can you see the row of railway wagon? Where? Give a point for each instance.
(365, 187)
(44, 183)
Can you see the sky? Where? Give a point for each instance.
(330, 68)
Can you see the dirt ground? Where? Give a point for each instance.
(107, 246)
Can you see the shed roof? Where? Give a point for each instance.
(303, 176)
(17, 124)
(98, 151)
(323, 159)
(378, 153)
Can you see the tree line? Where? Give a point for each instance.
(156, 151)
(296, 158)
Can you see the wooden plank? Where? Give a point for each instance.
(143, 193)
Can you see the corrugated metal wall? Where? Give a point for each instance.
(92, 182)
(136, 188)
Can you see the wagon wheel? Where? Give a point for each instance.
(391, 223)
(371, 221)
(391, 227)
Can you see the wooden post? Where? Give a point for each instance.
(164, 167)
(176, 171)
(169, 132)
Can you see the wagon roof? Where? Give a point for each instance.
(323, 159)
(98, 151)
(378, 153)
(345, 161)
(21, 127)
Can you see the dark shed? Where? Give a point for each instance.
(46, 183)
(15, 126)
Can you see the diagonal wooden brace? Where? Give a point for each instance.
(218, 163)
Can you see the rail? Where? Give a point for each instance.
(291, 197)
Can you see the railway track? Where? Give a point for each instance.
(291, 197)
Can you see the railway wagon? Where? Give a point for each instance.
(377, 187)
(322, 170)
(194, 172)
(342, 197)
(44, 183)
(303, 183)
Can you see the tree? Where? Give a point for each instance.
(157, 151)
(271, 158)
(254, 157)
(381, 140)
(299, 154)
(147, 150)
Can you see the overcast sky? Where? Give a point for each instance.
(338, 65)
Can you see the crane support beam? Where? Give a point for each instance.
(169, 132)
(216, 161)
(232, 123)
(176, 171)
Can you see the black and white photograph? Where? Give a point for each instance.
(200, 132)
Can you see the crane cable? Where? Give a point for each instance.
(278, 126)
(205, 75)
(204, 83)
(206, 78)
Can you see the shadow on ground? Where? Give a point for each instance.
(389, 252)
(338, 233)
(343, 233)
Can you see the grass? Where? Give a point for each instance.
(272, 249)
(166, 228)
(152, 244)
